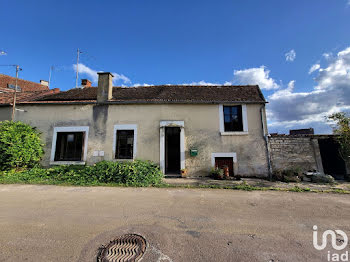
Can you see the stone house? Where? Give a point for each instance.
(179, 127)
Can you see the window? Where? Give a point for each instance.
(19, 89)
(125, 144)
(69, 146)
(125, 138)
(233, 118)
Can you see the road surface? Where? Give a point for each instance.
(56, 223)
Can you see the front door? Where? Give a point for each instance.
(172, 150)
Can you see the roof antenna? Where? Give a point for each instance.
(77, 75)
(50, 74)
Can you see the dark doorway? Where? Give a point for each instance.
(220, 162)
(172, 150)
(332, 162)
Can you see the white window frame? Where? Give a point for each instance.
(244, 120)
(229, 154)
(125, 127)
(168, 123)
(69, 129)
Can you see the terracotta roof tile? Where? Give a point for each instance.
(25, 85)
(164, 94)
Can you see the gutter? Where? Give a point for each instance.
(266, 139)
(133, 102)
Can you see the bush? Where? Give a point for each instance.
(20, 145)
(323, 179)
(288, 175)
(136, 173)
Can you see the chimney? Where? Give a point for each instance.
(105, 87)
(44, 83)
(85, 83)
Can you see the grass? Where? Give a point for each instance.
(15, 179)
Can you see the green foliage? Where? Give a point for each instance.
(342, 129)
(136, 173)
(20, 145)
(217, 173)
(288, 175)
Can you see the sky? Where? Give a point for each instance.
(298, 52)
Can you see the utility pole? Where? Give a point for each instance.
(77, 75)
(15, 95)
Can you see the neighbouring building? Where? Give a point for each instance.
(26, 91)
(308, 152)
(305, 131)
(179, 127)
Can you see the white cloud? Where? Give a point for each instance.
(92, 74)
(290, 56)
(201, 83)
(255, 76)
(329, 55)
(331, 94)
(138, 84)
(314, 68)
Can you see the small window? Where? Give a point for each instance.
(125, 144)
(233, 118)
(14, 87)
(69, 146)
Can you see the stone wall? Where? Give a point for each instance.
(295, 152)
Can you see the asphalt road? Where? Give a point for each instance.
(49, 223)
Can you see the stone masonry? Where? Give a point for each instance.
(295, 152)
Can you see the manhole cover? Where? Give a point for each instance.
(126, 248)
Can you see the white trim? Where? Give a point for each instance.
(221, 118)
(67, 162)
(162, 149)
(231, 154)
(125, 127)
(69, 129)
(240, 133)
(244, 120)
(182, 148)
(172, 123)
(162, 125)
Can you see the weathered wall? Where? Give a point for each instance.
(5, 113)
(295, 151)
(201, 132)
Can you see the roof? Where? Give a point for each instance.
(25, 85)
(22, 97)
(161, 94)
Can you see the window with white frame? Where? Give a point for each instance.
(125, 138)
(69, 144)
(233, 119)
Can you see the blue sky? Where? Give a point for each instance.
(204, 42)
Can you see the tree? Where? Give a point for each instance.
(20, 145)
(342, 130)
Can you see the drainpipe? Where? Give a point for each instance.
(266, 139)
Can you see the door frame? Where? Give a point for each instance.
(170, 123)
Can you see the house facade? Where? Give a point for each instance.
(179, 127)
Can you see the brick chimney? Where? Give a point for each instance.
(105, 87)
(85, 83)
(44, 82)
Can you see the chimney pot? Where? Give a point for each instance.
(105, 87)
(85, 83)
(44, 82)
